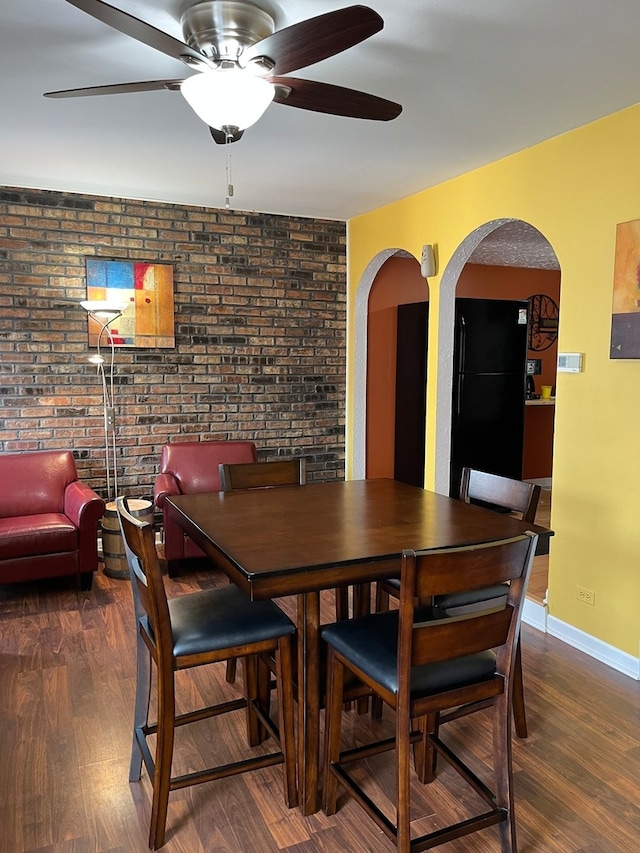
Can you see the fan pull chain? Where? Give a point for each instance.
(228, 171)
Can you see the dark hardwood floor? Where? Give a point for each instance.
(66, 700)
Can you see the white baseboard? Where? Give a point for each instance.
(537, 616)
(616, 659)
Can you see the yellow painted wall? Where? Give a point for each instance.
(574, 188)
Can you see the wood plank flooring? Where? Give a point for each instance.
(66, 700)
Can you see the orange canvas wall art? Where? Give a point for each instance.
(625, 319)
(147, 287)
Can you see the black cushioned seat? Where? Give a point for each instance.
(223, 618)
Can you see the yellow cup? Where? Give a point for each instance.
(545, 391)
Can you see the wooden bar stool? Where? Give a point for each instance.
(195, 630)
(421, 663)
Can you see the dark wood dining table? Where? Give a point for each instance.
(300, 540)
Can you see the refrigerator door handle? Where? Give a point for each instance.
(457, 403)
(459, 348)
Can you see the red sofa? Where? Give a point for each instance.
(189, 467)
(48, 518)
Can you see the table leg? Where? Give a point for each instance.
(362, 599)
(308, 616)
(362, 607)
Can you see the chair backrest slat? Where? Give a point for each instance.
(261, 475)
(432, 573)
(503, 492)
(473, 567)
(445, 639)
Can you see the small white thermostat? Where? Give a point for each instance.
(569, 362)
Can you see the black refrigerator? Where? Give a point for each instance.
(489, 387)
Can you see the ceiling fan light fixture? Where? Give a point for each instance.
(228, 97)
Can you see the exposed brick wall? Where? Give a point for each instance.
(260, 316)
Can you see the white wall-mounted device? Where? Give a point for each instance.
(569, 362)
(427, 262)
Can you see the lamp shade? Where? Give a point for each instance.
(104, 308)
(229, 97)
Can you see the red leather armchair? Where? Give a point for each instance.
(48, 518)
(189, 467)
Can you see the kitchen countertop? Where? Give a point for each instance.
(550, 401)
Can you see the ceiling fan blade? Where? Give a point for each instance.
(316, 38)
(335, 100)
(116, 89)
(137, 29)
(220, 136)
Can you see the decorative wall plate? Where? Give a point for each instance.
(543, 322)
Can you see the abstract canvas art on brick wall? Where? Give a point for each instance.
(625, 319)
(147, 287)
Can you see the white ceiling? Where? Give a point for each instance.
(478, 80)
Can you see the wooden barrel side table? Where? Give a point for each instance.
(115, 559)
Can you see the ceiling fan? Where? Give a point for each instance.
(240, 58)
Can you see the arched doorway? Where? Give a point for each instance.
(362, 366)
(397, 283)
(514, 244)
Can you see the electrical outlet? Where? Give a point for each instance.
(587, 596)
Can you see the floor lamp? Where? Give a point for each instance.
(104, 312)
